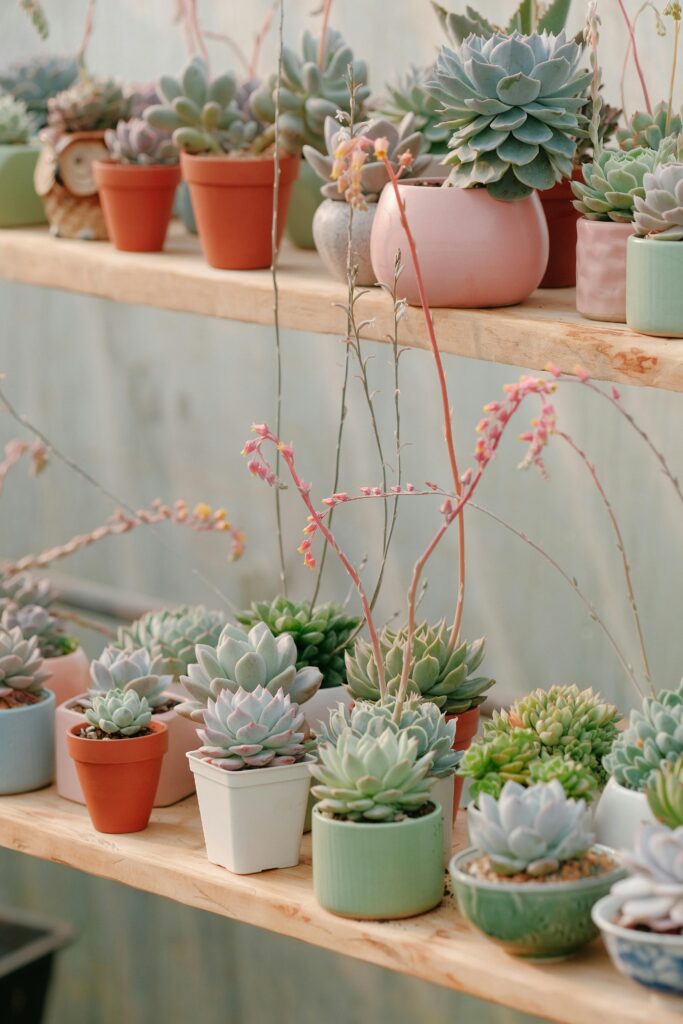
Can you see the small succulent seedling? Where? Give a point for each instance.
(91, 105)
(117, 714)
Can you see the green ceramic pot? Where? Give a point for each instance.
(19, 204)
(304, 201)
(378, 871)
(654, 296)
(537, 920)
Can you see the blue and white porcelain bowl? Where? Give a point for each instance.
(651, 959)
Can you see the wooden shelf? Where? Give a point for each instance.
(168, 860)
(546, 329)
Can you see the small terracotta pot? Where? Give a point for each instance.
(119, 777)
(466, 728)
(69, 675)
(561, 217)
(233, 205)
(601, 269)
(137, 202)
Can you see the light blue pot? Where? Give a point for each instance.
(654, 287)
(648, 958)
(27, 746)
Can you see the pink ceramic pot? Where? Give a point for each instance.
(601, 269)
(474, 251)
(69, 675)
(176, 780)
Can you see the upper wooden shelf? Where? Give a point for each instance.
(168, 859)
(546, 329)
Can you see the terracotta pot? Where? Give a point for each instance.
(137, 202)
(233, 206)
(331, 234)
(474, 251)
(466, 728)
(561, 218)
(601, 269)
(69, 675)
(119, 777)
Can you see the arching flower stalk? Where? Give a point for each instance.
(15, 450)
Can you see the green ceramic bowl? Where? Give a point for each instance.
(541, 921)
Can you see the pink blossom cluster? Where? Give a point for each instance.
(350, 157)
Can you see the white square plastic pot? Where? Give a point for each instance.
(253, 819)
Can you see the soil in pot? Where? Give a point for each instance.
(137, 202)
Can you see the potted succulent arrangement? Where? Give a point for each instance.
(228, 165)
(642, 919)
(331, 219)
(653, 736)
(27, 711)
(137, 185)
(118, 751)
(313, 86)
(533, 873)
(19, 203)
(130, 671)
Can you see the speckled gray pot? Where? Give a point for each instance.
(330, 231)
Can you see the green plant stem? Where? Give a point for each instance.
(672, 80)
(636, 59)
(276, 296)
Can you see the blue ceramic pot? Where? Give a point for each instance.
(650, 959)
(27, 746)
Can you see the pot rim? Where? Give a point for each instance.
(667, 243)
(596, 881)
(603, 913)
(247, 776)
(66, 706)
(138, 747)
(29, 707)
(624, 789)
(384, 825)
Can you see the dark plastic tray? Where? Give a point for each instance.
(28, 943)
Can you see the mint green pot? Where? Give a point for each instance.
(378, 871)
(27, 746)
(654, 287)
(540, 921)
(305, 200)
(19, 203)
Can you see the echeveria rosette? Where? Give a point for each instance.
(611, 184)
(22, 588)
(91, 105)
(659, 212)
(503, 757)
(173, 634)
(118, 713)
(252, 729)
(409, 95)
(16, 126)
(34, 620)
(653, 896)
(654, 735)
(133, 671)
(247, 661)
(513, 105)
(532, 830)
(35, 80)
(665, 793)
(21, 663)
(576, 779)
(649, 130)
(137, 142)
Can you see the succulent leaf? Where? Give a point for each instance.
(118, 713)
(92, 104)
(130, 670)
(20, 662)
(36, 621)
(665, 793)
(654, 735)
(659, 211)
(252, 729)
(653, 896)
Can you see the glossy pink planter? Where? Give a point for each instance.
(69, 675)
(474, 251)
(176, 780)
(601, 269)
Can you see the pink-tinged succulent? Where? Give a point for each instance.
(137, 142)
(653, 896)
(252, 729)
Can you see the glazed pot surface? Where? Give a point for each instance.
(649, 958)
(654, 288)
(601, 269)
(330, 231)
(27, 751)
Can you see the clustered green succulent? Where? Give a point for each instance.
(20, 662)
(659, 212)
(137, 142)
(321, 633)
(611, 183)
(374, 175)
(91, 105)
(513, 104)
(22, 588)
(247, 661)
(130, 671)
(34, 81)
(252, 729)
(16, 126)
(419, 719)
(372, 778)
(578, 724)
(665, 793)
(550, 17)
(173, 634)
(647, 131)
(202, 114)
(309, 94)
(532, 830)
(654, 735)
(408, 95)
(438, 673)
(118, 713)
(653, 896)
(35, 621)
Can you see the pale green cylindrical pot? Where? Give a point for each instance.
(378, 871)
(654, 287)
(19, 204)
(27, 746)
(305, 200)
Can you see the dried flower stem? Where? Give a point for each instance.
(322, 48)
(276, 291)
(194, 29)
(87, 33)
(35, 12)
(14, 452)
(636, 59)
(81, 620)
(674, 9)
(259, 39)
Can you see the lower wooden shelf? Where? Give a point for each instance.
(168, 860)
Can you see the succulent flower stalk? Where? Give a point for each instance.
(173, 634)
(653, 896)
(130, 671)
(118, 713)
(654, 735)
(252, 729)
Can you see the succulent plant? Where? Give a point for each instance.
(203, 115)
(22, 588)
(173, 634)
(653, 896)
(374, 176)
(611, 184)
(550, 17)
(654, 735)
(513, 105)
(33, 620)
(372, 778)
(34, 81)
(91, 105)
(438, 673)
(408, 95)
(133, 671)
(530, 830)
(20, 662)
(503, 757)
(647, 130)
(118, 713)
(576, 780)
(252, 729)
(308, 94)
(659, 213)
(607, 129)
(321, 634)
(247, 661)
(140, 97)
(137, 142)
(665, 793)
(16, 126)
(577, 724)
(419, 719)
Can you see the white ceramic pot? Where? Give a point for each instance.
(176, 780)
(442, 792)
(649, 958)
(252, 819)
(619, 815)
(331, 234)
(69, 675)
(317, 708)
